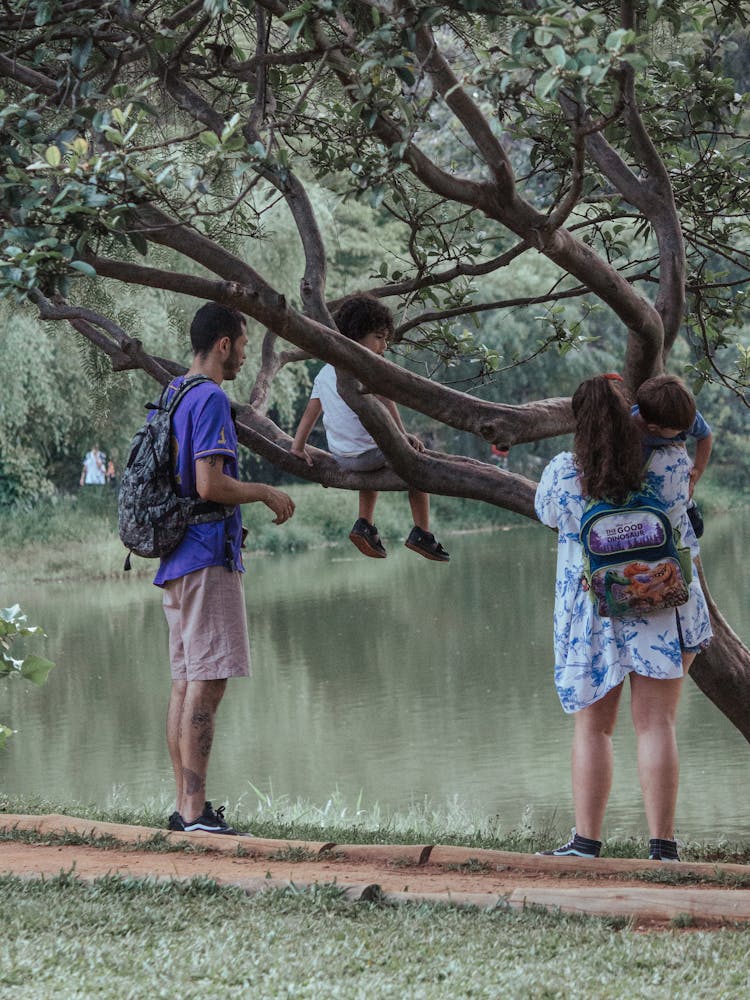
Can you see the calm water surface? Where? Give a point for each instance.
(403, 680)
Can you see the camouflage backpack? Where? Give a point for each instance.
(152, 518)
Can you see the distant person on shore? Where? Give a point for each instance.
(93, 472)
(111, 475)
(594, 653)
(364, 319)
(500, 456)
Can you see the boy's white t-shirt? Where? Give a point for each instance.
(344, 430)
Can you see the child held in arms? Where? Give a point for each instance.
(657, 401)
(364, 319)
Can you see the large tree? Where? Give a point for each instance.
(144, 142)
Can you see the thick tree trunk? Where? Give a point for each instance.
(722, 672)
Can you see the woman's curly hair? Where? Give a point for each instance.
(606, 443)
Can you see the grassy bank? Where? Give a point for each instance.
(119, 938)
(279, 817)
(75, 535)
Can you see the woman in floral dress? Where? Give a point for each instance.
(593, 655)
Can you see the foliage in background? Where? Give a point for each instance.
(76, 173)
(593, 155)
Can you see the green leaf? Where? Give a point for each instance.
(83, 267)
(53, 156)
(139, 242)
(35, 669)
(43, 14)
(295, 27)
(406, 75)
(546, 84)
(556, 55)
(5, 735)
(80, 53)
(617, 40)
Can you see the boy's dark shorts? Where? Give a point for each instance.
(368, 461)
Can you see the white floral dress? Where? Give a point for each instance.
(593, 654)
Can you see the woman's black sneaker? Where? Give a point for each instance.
(662, 850)
(210, 821)
(578, 847)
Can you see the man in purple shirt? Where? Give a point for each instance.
(202, 578)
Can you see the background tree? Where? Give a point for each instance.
(599, 146)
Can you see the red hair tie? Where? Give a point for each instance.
(612, 376)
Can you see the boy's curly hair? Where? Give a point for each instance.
(362, 313)
(667, 402)
(606, 442)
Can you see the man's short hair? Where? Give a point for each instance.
(211, 323)
(667, 402)
(360, 314)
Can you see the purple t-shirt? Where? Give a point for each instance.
(202, 425)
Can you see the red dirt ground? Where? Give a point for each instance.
(462, 876)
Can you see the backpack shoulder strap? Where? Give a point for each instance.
(183, 390)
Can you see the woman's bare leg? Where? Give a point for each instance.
(592, 762)
(654, 709)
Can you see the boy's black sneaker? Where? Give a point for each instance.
(175, 822)
(662, 850)
(210, 821)
(578, 847)
(365, 536)
(425, 543)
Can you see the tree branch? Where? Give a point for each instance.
(430, 471)
(494, 422)
(454, 95)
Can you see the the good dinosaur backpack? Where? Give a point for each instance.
(633, 561)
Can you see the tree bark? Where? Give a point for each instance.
(722, 671)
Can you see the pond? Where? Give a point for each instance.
(394, 682)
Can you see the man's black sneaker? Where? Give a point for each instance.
(365, 536)
(578, 847)
(425, 543)
(210, 821)
(175, 822)
(662, 850)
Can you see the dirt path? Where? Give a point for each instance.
(397, 873)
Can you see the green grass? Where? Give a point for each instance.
(120, 938)
(281, 818)
(74, 536)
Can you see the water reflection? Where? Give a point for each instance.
(402, 679)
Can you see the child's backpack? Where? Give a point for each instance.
(152, 518)
(633, 562)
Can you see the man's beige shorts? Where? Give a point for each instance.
(205, 611)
